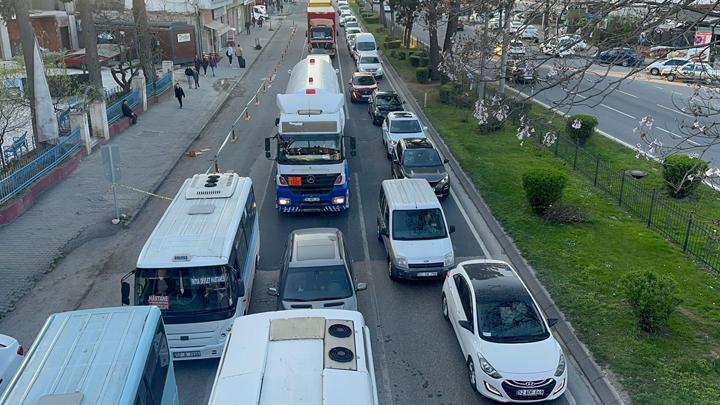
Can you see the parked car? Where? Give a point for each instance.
(362, 85)
(417, 158)
(399, 125)
(370, 62)
(522, 72)
(563, 46)
(11, 356)
(578, 44)
(352, 30)
(692, 72)
(656, 67)
(351, 42)
(530, 32)
(381, 103)
(494, 23)
(509, 350)
(516, 25)
(620, 56)
(460, 26)
(316, 272)
(515, 49)
(347, 19)
(342, 2)
(343, 7)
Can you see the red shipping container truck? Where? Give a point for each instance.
(321, 31)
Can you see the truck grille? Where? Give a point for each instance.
(315, 184)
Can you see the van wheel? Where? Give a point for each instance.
(391, 272)
(445, 312)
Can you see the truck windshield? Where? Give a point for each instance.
(186, 291)
(310, 148)
(321, 33)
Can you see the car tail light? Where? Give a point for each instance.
(20, 351)
(339, 179)
(282, 180)
(309, 91)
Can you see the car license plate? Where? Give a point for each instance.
(427, 274)
(530, 393)
(295, 180)
(183, 355)
(312, 199)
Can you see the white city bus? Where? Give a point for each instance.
(301, 356)
(198, 265)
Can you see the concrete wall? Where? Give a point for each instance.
(47, 31)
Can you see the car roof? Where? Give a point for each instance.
(417, 143)
(494, 279)
(402, 115)
(316, 247)
(356, 74)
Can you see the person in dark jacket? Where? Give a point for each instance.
(213, 63)
(189, 75)
(205, 62)
(259, 22)
(196, 76)
(128, 112)
(198, 63)
(179, 93)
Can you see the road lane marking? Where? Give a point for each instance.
(627, 94)
(674, 135)
(618, 111)
(366, 250)
(479, 241)
(580, 95)
(675, 110)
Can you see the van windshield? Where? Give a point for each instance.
(186, 291)
(365, 46)
(418, 224)
(316, 284)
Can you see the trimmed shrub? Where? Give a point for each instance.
(414, 60)
(683, 174)
(394, 44)
(420, 52)
(379, 30)
(424, 61)
(652, 297)
(402, 55)
(422, 75)
(392, 53)
(586, 129)
(373, 19)
(448, 91)
(543, 188)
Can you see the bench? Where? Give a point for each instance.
(15, 149)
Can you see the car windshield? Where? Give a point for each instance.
(404, 126)
(421, 158)
(509, 318)
(369, 59)
(364, 80)
(320, 148)
(185, 290)
(388, 100)
(365, 46)
(420, 224)
(316, 283)
(321, 33)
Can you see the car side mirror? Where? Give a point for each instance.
(125, 292)
(446, 161)
(272, 291)
(466, 325)
(425, 128)
(451, 228)
(277, 121)
(361, 287)
(552, 321)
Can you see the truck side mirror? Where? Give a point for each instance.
(267, 148)
(125, 292)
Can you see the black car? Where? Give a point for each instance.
(417, 158)
(620, 56)
(381, 103)
(521, 72)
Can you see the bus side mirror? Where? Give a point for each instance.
(267, 148)
(125, 292)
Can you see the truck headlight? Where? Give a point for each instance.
(338, 200)
(448, 259)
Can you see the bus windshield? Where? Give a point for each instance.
(186, 291)
(310, 148)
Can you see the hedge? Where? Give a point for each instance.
(422, 75)
(395, 44)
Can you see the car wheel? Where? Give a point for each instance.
(708, 81)
(654, 71)
(445, 312)
(625, 63)
(671, 77)
(391, 272)
(471, 374)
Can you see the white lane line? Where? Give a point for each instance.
(674, 135)
(618, 111)
(675, 110)
(358, 198)
(658, 87)
(627, 94)
(580, 95)
(479, 240)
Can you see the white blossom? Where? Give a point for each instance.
(549, 138)
(694, 155)
(576, 124)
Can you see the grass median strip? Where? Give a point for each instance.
(581, 264)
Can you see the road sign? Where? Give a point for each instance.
(111, 162)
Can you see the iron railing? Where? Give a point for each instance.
(114, 111)
(160, 86)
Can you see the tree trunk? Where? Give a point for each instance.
(27, 39)
(408, 31)
(432, 18)
(144, 43)
(452, 24)
(90, 41)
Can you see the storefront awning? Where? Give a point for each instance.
(218, 26)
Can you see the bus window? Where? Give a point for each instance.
(152, 385)
(241, 245)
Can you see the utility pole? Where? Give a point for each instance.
(483, 60)
(27, 39)
(504, 13)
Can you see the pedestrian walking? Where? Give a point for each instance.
(230, 52)
(179, 93)
(247, 27)
(196, 76)
(281, 7)
(253, 21)
(198, 63)
(259, 22)
(190, 76)
(205, 62)
(128, 112)
(212, 63)
(239, 56)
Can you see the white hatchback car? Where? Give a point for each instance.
(370, 62)
(400, 125)
(11, 356)
(510, 352)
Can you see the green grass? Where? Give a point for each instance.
(581, 264)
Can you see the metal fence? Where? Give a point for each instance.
(696, 236)
(20, 179)
(159, 86)
(114, 111)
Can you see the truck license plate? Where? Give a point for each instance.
(183, 355)
(427, 274)
(530, 393)
(295, 180)
(312, 199)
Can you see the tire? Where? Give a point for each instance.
(654, 71)
(671, 77)
(472, 376)
(708, 81)
(445, 311)
(625, 63)
(391, 273)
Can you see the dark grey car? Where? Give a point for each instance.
(417, 158)
(316, 272)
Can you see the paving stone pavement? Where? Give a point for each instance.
(80, 207)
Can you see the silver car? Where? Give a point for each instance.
(316, 272)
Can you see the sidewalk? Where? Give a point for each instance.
(80, 207)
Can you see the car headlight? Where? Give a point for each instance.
(401, 261)
(488, 368)
(445, 179)
(379, 70)
(561, 366)
(448, 259)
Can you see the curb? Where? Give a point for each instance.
(600, 385)
(223, 99)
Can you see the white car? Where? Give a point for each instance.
(351, 24)
(11, 356)
(344, 19)
(494, 23)
(370, 62)
(400, 125)
(509, 350)
(351, 41)
(342, 2)
(351, 31)
(565, 45)
(343, 7)
(656, 67)
(516, 25)
(530, 32)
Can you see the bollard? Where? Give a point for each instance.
(233, 138)
(257, 99)
(217, 166)
(247, 115)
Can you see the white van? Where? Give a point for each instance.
(412, 226)
(364, 42)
